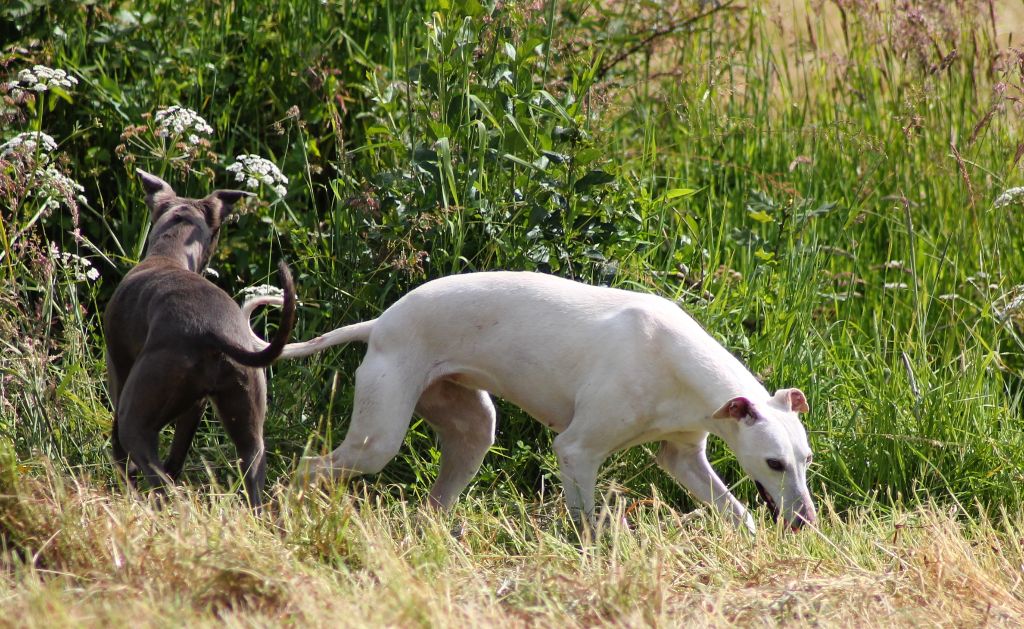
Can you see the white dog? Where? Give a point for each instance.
(604, 368)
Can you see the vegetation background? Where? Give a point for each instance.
(831, 188)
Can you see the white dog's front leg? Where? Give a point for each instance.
(578, 465)
(688, 464)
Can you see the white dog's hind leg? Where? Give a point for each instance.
(464, 420)
(688, 464)
(385, 397)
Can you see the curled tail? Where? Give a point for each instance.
(271, 351)
(340, 336)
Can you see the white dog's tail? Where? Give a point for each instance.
(339, 336)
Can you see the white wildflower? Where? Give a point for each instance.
(1009, 304)
(894, 285)
(52, 187)
(263, 290)
(979, 280)
(40, 79)
(43, 180)
(29, 144)
(893, 264)
(1009, 197)
(177, 121)
(255, 170)
(80, 268)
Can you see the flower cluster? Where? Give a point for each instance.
(81, 268)
(41, 79)
(179, 121)
(52, 187)
(30, 143)
(254, 171)
(263, 290)
(175, 135)
(1009, 197)
(40, 176)
(1011, 304)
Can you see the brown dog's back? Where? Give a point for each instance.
(158, 305)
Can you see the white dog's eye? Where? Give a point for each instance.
(810, 457)
(775, 464)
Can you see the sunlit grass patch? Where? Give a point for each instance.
(78, 554)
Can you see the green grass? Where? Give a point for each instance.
(823, 204)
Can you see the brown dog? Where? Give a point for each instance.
(174, 339)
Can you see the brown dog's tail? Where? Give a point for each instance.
(273, 350)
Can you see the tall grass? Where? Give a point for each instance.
(824, 207)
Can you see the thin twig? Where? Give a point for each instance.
(657, 34)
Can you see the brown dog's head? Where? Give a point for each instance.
(185, 229)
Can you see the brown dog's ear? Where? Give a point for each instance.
(151, 183)
(792, 400)
(219, 204)
(737, 408)
(157, 191)
(230, 197)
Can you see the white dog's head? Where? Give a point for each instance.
(771, 445)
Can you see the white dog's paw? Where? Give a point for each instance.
(312, 470)
(748, 523)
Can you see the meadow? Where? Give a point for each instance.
(834, 189)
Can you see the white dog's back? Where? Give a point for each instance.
(539, 340)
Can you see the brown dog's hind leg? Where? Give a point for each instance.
(126, 469)
(140, 443)
(242, 410)
(464, 421)
(158, 388)
(185, 426)
(117, 451)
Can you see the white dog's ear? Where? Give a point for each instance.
(792, 400)
(738, 408)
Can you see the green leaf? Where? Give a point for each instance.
(676, 193)
(521, 162)
(766, 256)
(594, 178)
(312, 147)
(760, 216)
(587, 156)
(472, 8)
(510, 50)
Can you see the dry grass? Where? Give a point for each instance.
(78, 554)
(793, 15)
